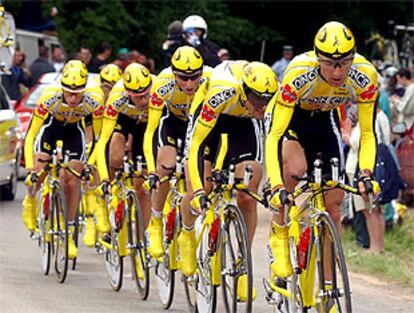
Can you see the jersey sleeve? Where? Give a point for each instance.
(214, 103)
(155, 109)
(95, 99)
(40, 113)
(277, 118)
(366, 99)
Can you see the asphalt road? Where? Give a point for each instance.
(23, 287)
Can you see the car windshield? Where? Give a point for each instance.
(35, 96)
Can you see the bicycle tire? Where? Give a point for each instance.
(114, 262)
(164, 274)
(138, 246)
(235, 262)
(206, 290)
(43, 224)
(59, 236)
(341, 291)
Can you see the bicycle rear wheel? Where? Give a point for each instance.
(235, 261)
(137, 245)
(59, 234)
(336, 293)
(43, 224)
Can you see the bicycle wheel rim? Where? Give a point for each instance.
(206, 292)
(44, 244)
(114, 263)
(340, 294)
(60, 236)
(236, 261)
(138, 253)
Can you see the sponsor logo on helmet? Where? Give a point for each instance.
(347, 33)
(167, 88)
(305, 78)
(360, 78)
(368, 94)
(322, 35)
(207, 114)
(221, 97)
(288, 94)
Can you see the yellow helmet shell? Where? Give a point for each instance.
(110, 74)
(334, 40)
(74, 76)
(186, 60)
(260, 79)
(137, 78)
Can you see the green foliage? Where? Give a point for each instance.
(394, 263)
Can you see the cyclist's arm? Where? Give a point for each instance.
(155, 109)
(39, 115)
(277, 118)
(204, 122)
(108, 126)
(366, 115)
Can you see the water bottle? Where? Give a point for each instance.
(303, 248)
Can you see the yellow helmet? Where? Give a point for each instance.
(137, 79)
(334, 40)
(110, 74)
(259, 79)
(74, 76)
(187, 60)
(2, 12)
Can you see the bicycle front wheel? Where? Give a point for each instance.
(333, 274)
(236, 262)
(137, 245)
(59, 233)
(43, 225)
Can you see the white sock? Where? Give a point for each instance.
(155, 213)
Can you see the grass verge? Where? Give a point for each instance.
(397, 260)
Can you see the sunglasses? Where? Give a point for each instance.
(187, 78)
(333, 64)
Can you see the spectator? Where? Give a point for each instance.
(85, 55)
(20, 75)
(98, 62)
(223, 54)
(374, 219)
(195, 34)
(174, 40)
(122, 59)
(31, 17)
(404, 106)
(41, 65)
(58, 58)
(280, 66)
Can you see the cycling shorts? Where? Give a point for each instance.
(170, 130)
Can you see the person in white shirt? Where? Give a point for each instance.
(404, 106)
(280, 66)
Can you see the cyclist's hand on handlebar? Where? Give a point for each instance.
(367, 185)
(31, 179)
(199, 203)
(279, 197)
(152, 182)
(104, 188)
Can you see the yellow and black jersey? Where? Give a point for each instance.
(52, 103)
(304, 88)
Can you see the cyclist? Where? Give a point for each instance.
(316, 83)
(235, 103)
(58, 116)
(126, 113)
(169, 108)
(107, 78)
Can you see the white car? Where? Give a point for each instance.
(9, 147)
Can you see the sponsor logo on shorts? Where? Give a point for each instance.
(221, 97)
